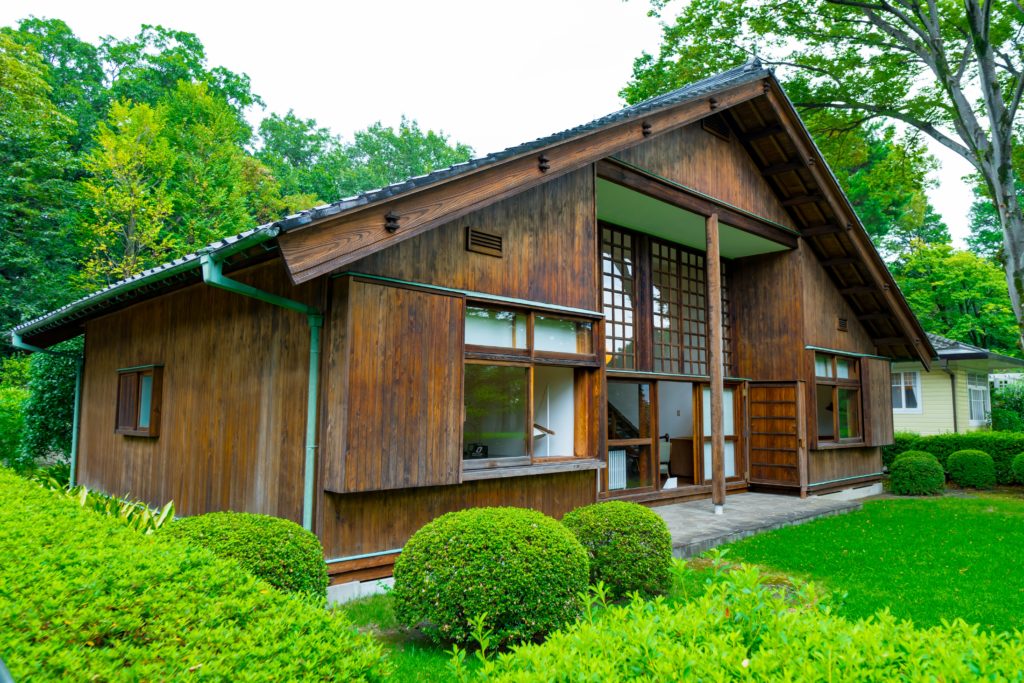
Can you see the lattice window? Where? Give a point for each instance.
(619, 296)
(666, 295)
(728, 355)
(695, 328)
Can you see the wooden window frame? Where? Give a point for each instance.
(131, 379)
(643, 300)
(836, 383)
(586, 380)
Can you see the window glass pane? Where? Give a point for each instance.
(823, 366)
(897, 398)
(629, 467)
(629, 410)
(911, 395)
(617, 284)
(826, 413)
(493, 327)
(562, 336)
(849, 413)
(145, 400)
(495, 411)
(554, 411)
(843, 368)
(730, 459)
(728, 426)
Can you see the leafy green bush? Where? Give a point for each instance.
(630, 547)
(1008, 408)
(520, 570)
(1018, 468)
(1002, 446)
(916, 474)
(276, 550)
(901, 442)
(49, 410)
(906, 453)
(133, 513)
(745, 629)
(84, 598)
(12, 424)
(972, 469)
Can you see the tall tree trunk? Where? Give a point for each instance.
(1013, 243)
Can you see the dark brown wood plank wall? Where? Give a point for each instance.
(232, 428)
(359, 523)
(877, 385)
(393, 388)
(825, 306)
(840, 466)
(549, 241)
(723, 169)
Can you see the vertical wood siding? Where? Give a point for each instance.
(234, 399)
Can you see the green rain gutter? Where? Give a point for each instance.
(17, 342)
(213, 275)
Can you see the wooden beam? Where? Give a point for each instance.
(816, 230)
(802, 199)
(860, 289)
(877, 315)
(892, 341)
(840, 261)
(765, 132)
(331, 243)
(784, 167)
(715, 363)
(670, 193)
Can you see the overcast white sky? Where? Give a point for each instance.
(490, 74)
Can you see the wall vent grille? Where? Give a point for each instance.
(483, 243)
(843, 325)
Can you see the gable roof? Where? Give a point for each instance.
(325, 238)
(952, 350)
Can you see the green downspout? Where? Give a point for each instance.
(213, 275)
(17, 342)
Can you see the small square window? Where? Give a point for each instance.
(138, 400)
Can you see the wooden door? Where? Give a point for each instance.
(777, 440)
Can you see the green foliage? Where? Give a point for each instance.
(1001, 446)
(916, 474)
(1017, 468)
(629, 545)
(85, 598)
(12, 424)
(276, 550)
(1008, 408)
(743, 627)
(927, 560)
(959, 295)
(134, 514)
(519, 570)
(50, 408)
(972, 469)
(901, 442)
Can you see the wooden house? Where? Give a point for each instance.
(671, 302)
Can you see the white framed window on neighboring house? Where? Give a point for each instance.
(906, 392)
(978, 397)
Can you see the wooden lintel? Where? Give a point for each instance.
(803, 199)
(677, 196)
(329, 244)
(784, 167)
(840, 261)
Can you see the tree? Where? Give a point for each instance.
(35, 186)
(952, 71)
(131, 169)
(306, 158)
(958, 295)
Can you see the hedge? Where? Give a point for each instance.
(901, 442)
(83, 597)
(916, 473)
(743, 629)
(1017, 467)
(279, 551)
(1002, 446)
(629, 545)
(972, 469)
(518, 569)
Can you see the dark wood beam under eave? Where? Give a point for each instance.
(325, 246)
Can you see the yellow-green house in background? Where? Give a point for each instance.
(954, 396)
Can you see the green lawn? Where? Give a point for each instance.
(924, 559)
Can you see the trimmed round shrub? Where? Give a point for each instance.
(916, 474)
(1018, 468)
(276, 550)
(520, 569)
(972, 469)
(629, 545)
(906, 453)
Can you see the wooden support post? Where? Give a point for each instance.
(715, 364)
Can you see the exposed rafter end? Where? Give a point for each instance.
(825, 229)
(803, 199)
